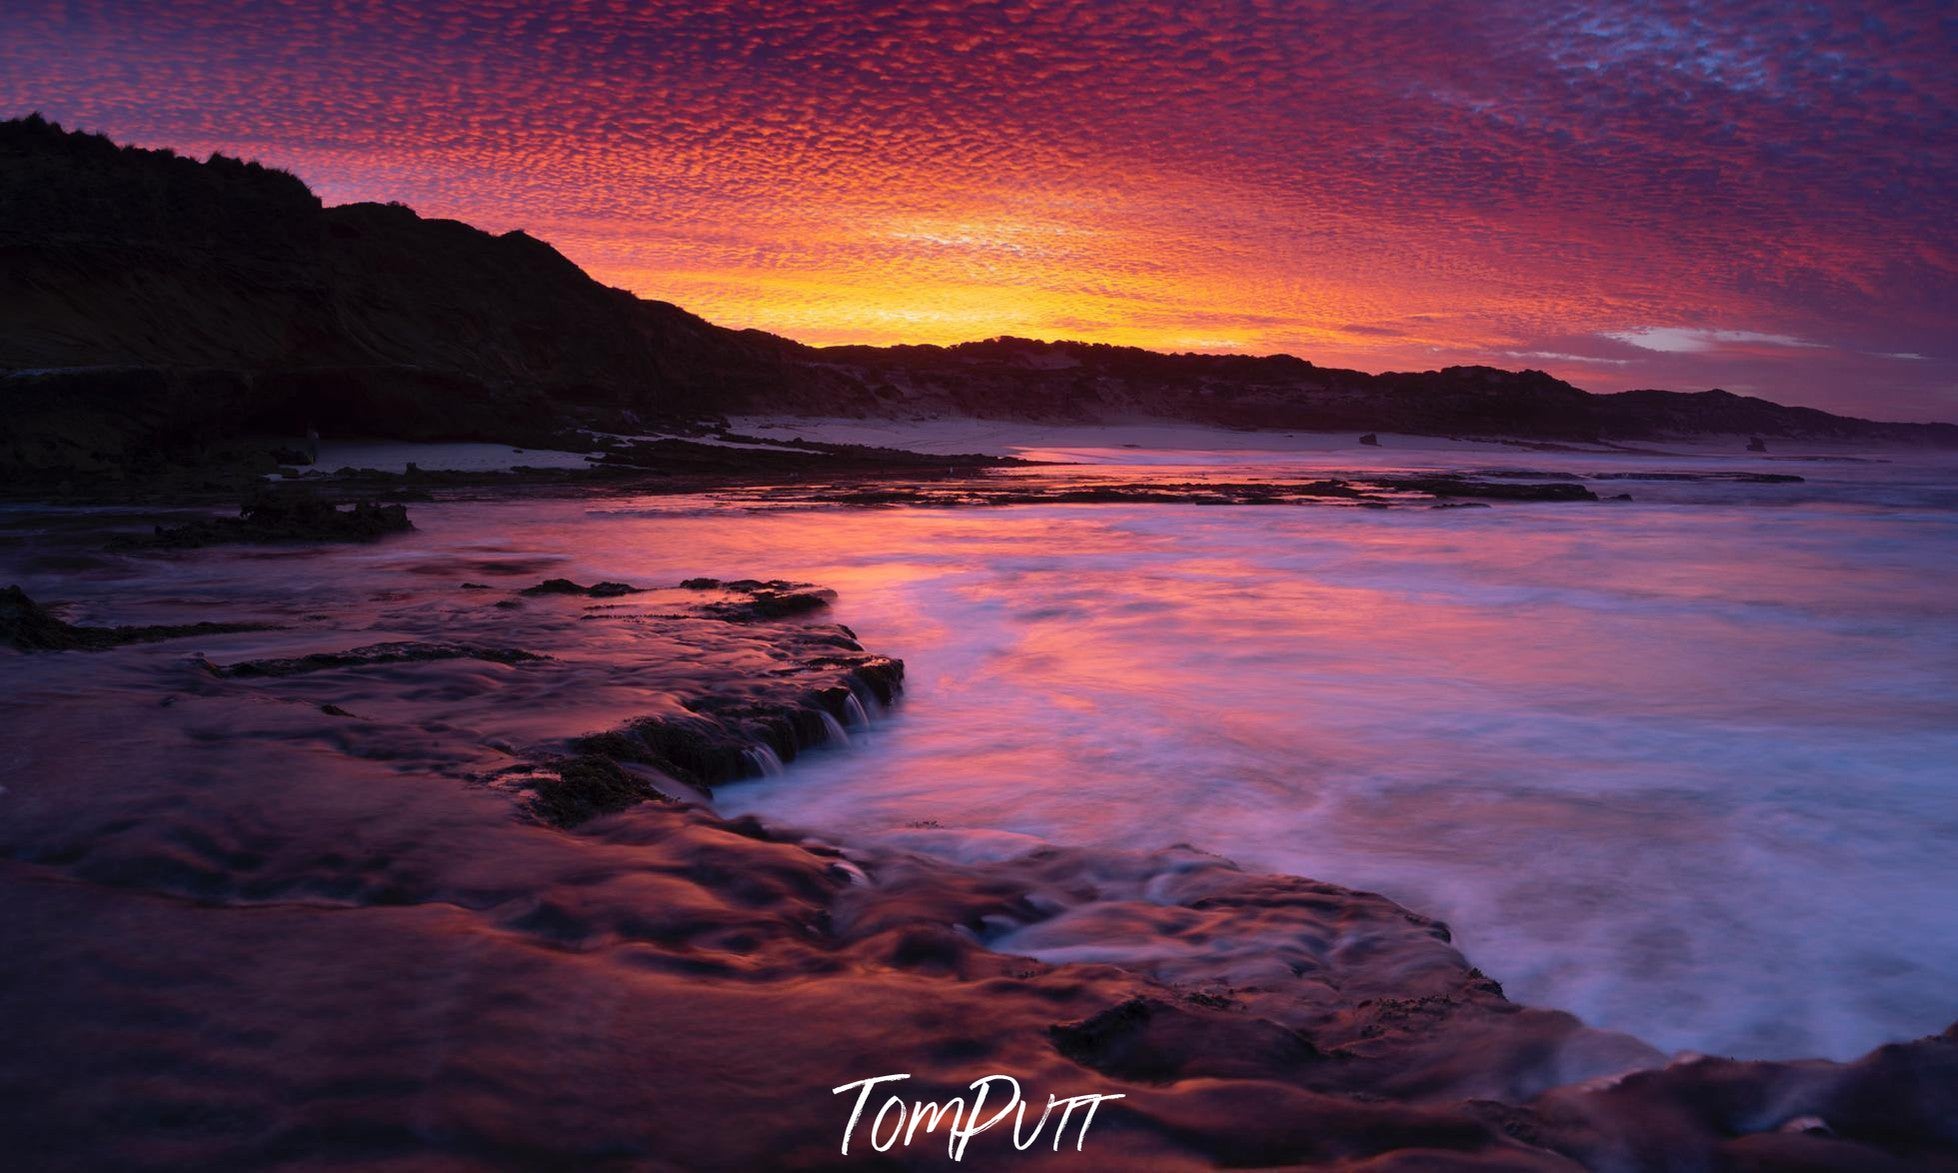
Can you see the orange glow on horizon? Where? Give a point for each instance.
(1618, 196)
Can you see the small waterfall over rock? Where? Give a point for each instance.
(725, 737)
(764, 759)
(866, 699)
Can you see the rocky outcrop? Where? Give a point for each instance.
(371, 655)
(564, 586)
(275, 517)
(1371, 490)
(822, 683)
(747, 678)
(156, 308)
(29, 627)
(395, 903)
(1458, 486)
(755, 600)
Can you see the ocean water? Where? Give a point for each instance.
(1686, 766)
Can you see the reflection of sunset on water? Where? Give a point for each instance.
(1605, 741)
(1602, 744)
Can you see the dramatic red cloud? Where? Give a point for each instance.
(1626, 195)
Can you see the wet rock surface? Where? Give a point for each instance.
(1749, 478)
(29, 627)
(372, 655)
(730, 455)
(280, 516)
(1087, 485)
(757, 601)
(697, 984)
(418, 881)
(1456, 486)
(564, 586)
(1362, 489)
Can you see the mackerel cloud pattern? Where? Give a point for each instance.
(1630, 195)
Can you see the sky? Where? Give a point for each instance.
(1756, 196)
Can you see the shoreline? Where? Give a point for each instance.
(747, 451)
(1143, 437)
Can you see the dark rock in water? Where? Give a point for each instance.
(304, 517)
(29, 627)
(598, 590)
(882, 675)
(586, 786)
(1756, 444)
(1150, 1040)
(722, 737)
(293, 456)
(771, 599)
(280, 516)
(772, 604)
(1036, 491)
(1455, 486)
(1746, 478)
(1520, 474)
(219, 895)
(1460, 505)
(702, 751)
(1371, 440)
(1895, 1108)
(401, 652)
(756, 600)
(715, 743)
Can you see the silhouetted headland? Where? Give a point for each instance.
(160, 313)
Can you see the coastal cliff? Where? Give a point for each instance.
(159, 310)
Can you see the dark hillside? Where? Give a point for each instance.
(158, 311)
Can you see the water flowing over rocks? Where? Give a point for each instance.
(762, 600)
(401, 877)
(29, 627)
